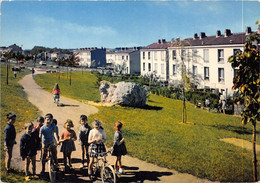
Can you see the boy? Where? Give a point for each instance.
(10, 135)
(28, 149)
(83, 138)
(48, 134)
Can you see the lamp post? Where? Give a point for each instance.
(70, 77)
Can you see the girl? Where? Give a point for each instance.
(56, 92)
(83, 138)
(97, 138)
(119, 147)
(28, 149)
(67, 137)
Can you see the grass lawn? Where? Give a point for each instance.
(13, 99)
(154, 134)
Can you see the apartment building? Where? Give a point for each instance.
(91, 57)
(205, 57)
(126, 61)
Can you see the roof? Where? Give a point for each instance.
(123, 51)
(237, 38)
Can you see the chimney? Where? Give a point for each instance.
(163, 41)
(227, 32)
(248, 30)
(202, 35)
(218, 34)
(195, 36)
(159, 41)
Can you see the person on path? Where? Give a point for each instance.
(33, 71)
(119, 148)
(56, 92)
(10, 135)
(83, 139)
(97, 138)
(28, 149)
(67, 138)
(48, 135)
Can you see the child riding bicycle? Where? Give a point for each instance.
(56, 92)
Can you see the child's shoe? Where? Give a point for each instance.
(27, 178)
(121, 171)
(116, 171)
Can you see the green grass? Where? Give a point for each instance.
(155, 135)
(14, 99)
(83, 86)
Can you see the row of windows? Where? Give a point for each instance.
(155, 67)
(194, 54)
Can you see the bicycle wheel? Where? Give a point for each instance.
(52, 171)
(108, 174)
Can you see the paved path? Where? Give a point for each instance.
(136, 170)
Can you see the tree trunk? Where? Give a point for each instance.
(254, 153)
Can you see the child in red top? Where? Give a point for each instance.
(67, 137)
(56, 92)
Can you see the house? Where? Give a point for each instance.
(91, 57)
(126, 61)
(204, 57)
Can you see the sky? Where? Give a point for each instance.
(110, 24)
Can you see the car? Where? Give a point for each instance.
(2, 59)
(42, 63)
(20, 61)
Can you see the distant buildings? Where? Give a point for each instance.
(91, 57)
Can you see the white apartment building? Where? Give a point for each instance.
(126, 60)
(91, 57)
(205, 57)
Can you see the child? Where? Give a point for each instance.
(97, 138)
(57, 129)
(68, 136)
(83, 138)
(40, 121)
(119, 147)
(10, 135)
(56, 92)
(28, 148)
(48, 135)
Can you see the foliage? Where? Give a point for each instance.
(247, 78)
(39, 49)
(13, 99)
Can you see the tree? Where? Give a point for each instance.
(247, 82)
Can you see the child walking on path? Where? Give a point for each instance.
(83, 138)
(28, 149)
(67, 137)
(10, 135)
(119, 147)
(97, 138)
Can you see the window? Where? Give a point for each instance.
(149, 55)
(143, 66)
(206, 55)
(220, 55)
(173, 54)
(194, 70)
(126, 57)
(182, 54)
(143, 55)
(221, 75)
(194, 55)
(162, 68)
(173, 69)
(123, 57)
(163, 55)
(155, 55)
(155, 67)
(149, 66)
(206, 73)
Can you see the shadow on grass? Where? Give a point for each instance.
(237, 129)
(148, 107)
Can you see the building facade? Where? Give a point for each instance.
(205, 58)
(91, 57)
(125, 61)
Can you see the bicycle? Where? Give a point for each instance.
(50, 164)
(56, 100)
(101, 165)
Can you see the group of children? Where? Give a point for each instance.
(45, 136)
